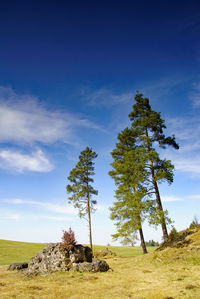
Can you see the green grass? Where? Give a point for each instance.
(14, 252)
(125, 251)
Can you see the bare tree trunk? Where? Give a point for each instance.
(157, 193)
(143, 245)
(89, 223)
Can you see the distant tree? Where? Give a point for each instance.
(148, 130)
(152, 243)
(80, 188)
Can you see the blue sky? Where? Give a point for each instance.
(68, 76)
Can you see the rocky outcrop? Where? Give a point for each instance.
(80, 254)
(48, 260)
(106, 253)
(95, 266)
(55, 258)
(18, 266)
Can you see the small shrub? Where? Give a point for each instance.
(174, 235)
(68, 239)
(194, 223)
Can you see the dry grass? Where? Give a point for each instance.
(173, 273)
(137, 277)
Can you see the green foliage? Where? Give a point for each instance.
(81, 189)
(128, 172)
(127, 237)
(81, 178)
(194, 223)
(148, 126)
(157, 216)
(145, 119)
(173, 235)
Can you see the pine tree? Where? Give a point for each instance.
(130, 175)
(81, 178)
(148, 126)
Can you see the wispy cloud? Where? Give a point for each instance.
(195, 196)
(53, 207)
(12, 216)
(24, 119)
(105, 97)
(20, 162)
(195, 95)
(171, 198)
(56, 218)
(187, 132)
(190, 165)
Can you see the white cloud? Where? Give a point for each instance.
(190, 165)
(20, 162)
(53, 207)
(56, 218)
(171, 198)
(12, 216)
(23, 119)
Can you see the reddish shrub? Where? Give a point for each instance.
(68, 239)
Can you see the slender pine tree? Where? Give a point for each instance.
(81, 189)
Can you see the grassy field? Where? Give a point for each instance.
(173, 273)
(14, 252)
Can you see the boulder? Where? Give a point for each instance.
(80, 254)
(106, 253)
(55, 258)
(18, 266)
(94, 266)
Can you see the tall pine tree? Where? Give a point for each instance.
(148, 126)
(81, 189)
(130, 175)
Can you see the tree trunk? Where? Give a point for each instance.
(159, 204)
(89, 221)
(157, 193)
(143, 245)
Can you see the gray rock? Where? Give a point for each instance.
(54, 258)
(18, 266)
(95, 266)
(80, 254)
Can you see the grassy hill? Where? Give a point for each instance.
(171, 272)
